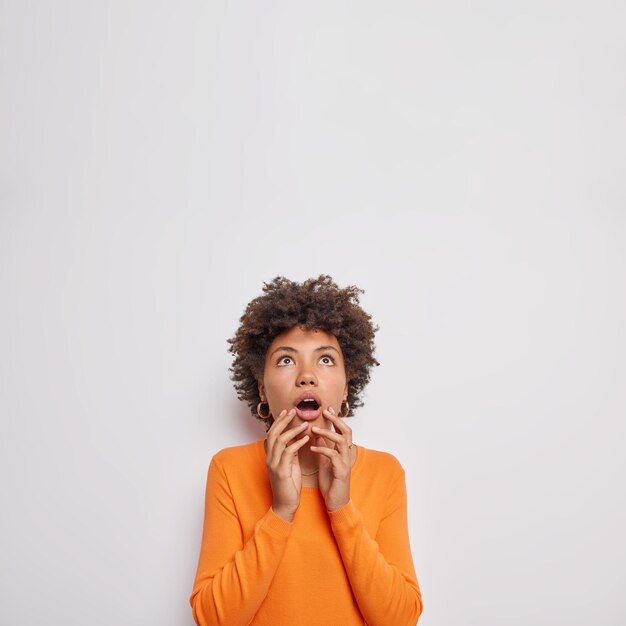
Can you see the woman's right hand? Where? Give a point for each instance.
(281, 456)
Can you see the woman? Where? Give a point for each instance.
(304, 527)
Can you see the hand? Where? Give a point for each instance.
(335, 462)
(281, 456)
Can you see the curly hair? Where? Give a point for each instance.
(317, 303)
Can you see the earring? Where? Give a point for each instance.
(344, 412)
(258, 410)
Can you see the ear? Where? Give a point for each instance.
(345, 393)
(262, 391)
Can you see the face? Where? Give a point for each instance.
(304, 368)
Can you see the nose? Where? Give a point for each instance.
(307, 379)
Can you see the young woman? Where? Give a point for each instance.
(304, 527)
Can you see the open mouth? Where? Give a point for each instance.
(308, 404)
(308, 408)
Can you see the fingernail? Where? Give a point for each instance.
(331, 410)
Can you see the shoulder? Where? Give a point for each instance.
(379, 462)
(237, 455)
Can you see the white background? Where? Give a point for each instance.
(462, 162)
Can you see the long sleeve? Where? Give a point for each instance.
(233, 579)
(348, 567)
(380, 570)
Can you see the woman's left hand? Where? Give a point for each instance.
(335, 463)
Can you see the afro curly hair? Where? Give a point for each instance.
(317, 303)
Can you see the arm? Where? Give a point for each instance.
(380, 571)
(232, 578)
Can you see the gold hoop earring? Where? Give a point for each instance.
(258, 410)
(344, 413)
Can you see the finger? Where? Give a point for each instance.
(330, 453)
(279, 425)
(320, 442)
(339, 425)
(275, 445)
(337, 422)
(290, 434)
(285, 440)
(291, 451)
(286, 415)
(275, 427)
(330, 456)
(330, 434)
(296, 445)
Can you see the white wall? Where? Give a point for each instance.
(462, 162)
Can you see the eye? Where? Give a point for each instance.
(285, 360)
(327, 360)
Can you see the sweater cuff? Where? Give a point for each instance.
(276, 524)
(346, 516)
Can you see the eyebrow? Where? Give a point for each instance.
(290, 349)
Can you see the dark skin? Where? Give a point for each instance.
(310, 361)
(335, 463)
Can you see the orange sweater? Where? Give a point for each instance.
(349, 566)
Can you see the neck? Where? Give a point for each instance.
(309, 461)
